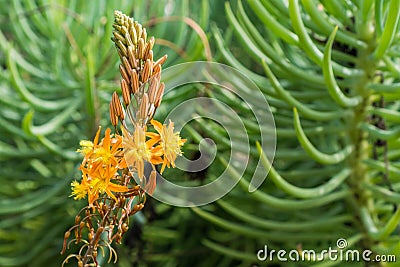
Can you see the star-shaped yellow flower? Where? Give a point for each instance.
(170, 143)
(136, 150)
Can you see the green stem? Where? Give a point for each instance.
(90, 94)
(362, 199)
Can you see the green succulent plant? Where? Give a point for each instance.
(329, 70)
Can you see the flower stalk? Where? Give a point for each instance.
(111, 164)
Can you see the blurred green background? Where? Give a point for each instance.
(336, 172)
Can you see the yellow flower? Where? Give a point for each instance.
(101, 183)
(108, 151)
(136, 150)
(105, 152)
(170, 142)
(79, 190)
(86, 147)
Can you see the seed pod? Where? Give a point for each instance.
(156, 69)
(98, 233)
(90, 236)
(144, 107)
(117, 106)
(131, 57)
(77, 219)
(124, 227)
(126, 94)
(122, 47)
(124, 30)
(113, 116)
(159, 96)
(153, 88)
(151, 42)
(117, 27)
(67, 235)
(123, 72)
(128, 39)
(127, 66)
(138, 28)
(144, 34)
(150, 55)
(147, 49)
(141, 47)
(133, 34)
(134, 81)
(118, 238)
(147, 70)
(161, 60)
(118, 37)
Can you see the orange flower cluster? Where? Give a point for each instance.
(101, 163)
(106, 163)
